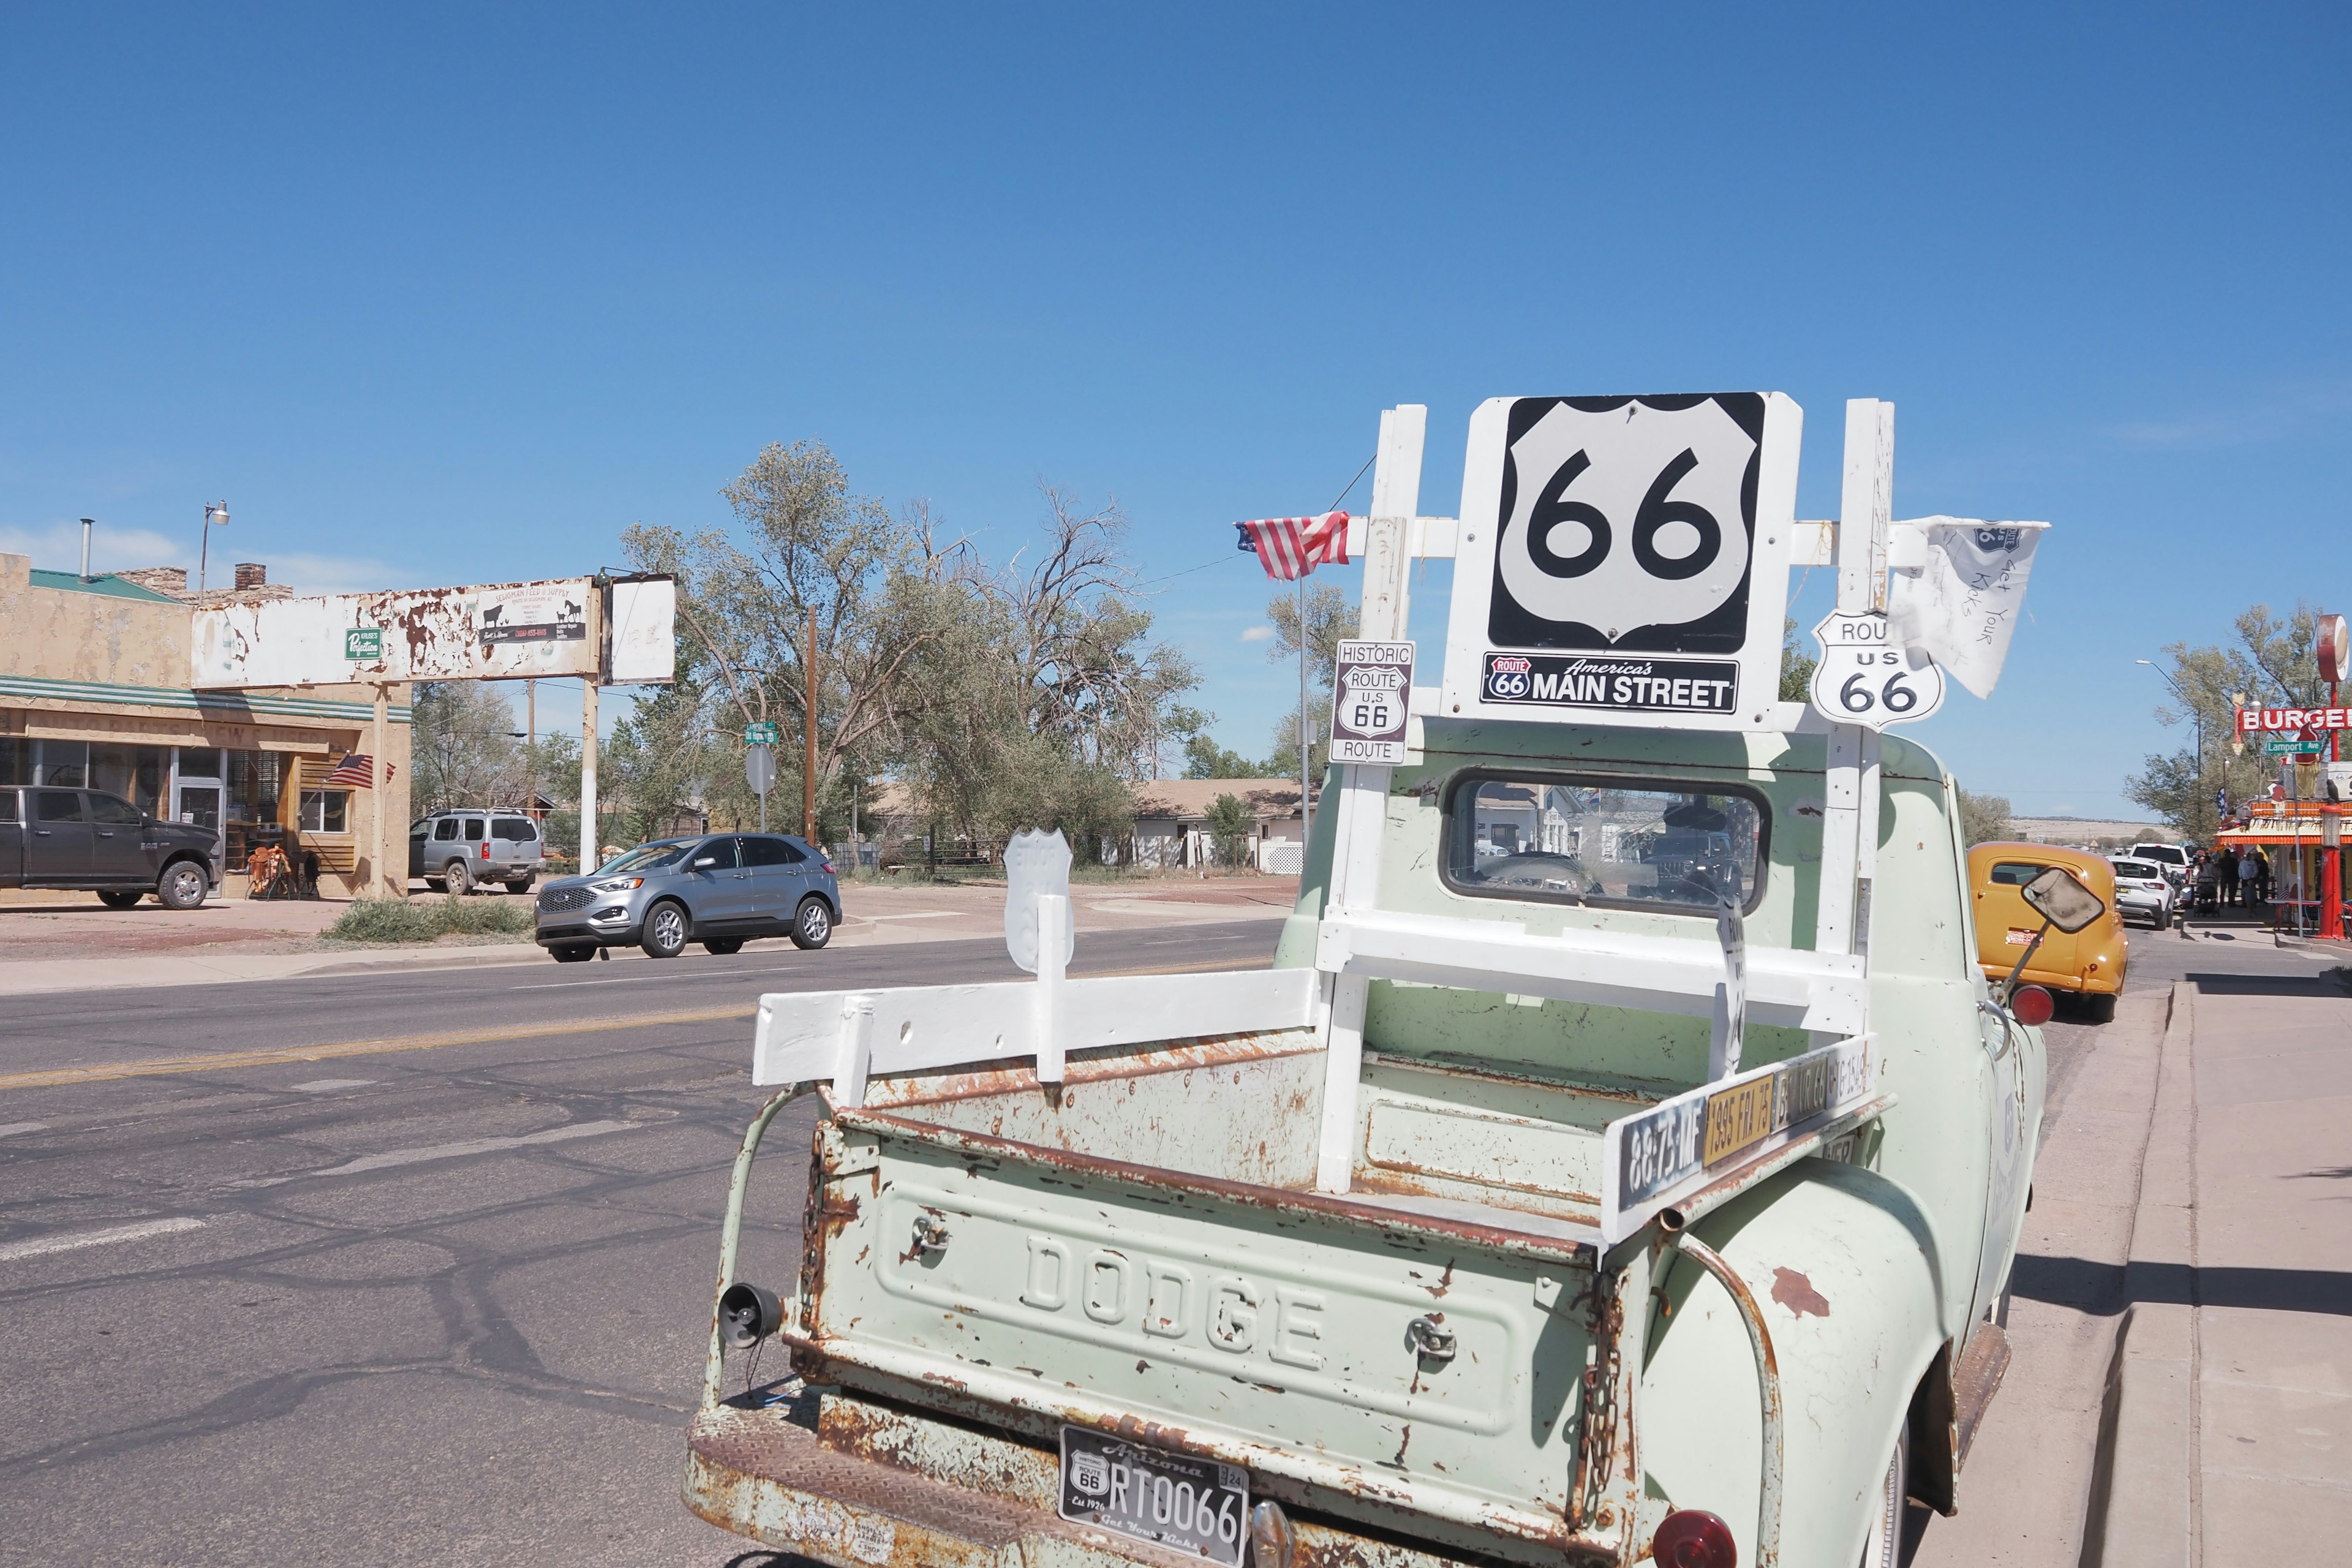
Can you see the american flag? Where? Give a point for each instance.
(358, 769)
(1291, 547)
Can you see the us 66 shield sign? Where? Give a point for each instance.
(1369, 702)
(1863, 678)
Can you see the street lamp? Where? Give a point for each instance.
(215, 516)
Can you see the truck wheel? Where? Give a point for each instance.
(1883, 1548)
(182, 885)
(460, 877)
(812, 923)
(120, 901)
(664, 931)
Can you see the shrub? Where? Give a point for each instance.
(428, 920)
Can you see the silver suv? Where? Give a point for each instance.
(721, 891)
(457, 849)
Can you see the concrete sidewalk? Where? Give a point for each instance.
(51, 944)
(2230, 1419)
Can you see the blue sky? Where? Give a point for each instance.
(454, 295)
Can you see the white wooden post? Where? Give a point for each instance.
(1053, 937)
(1850, 820)
(1364, 789)
(589, 858)
(856, 1053)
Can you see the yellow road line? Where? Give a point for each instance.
(225, 1061)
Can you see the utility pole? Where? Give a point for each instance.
(808, 727)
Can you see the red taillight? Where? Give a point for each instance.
(1693, 1538)
(2033, 1005)
(828, 868)
(486, 851)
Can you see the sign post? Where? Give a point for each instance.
(760, 774)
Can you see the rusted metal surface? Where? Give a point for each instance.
(1975, 1383)
(1544, 1243)
(1767, 1389)
(879, 1488)
(1230, 1106)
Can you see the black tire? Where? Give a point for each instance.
(1883, 1547)
(435, 883)
(2098, 1009)
(724, 946)
(459, 877)
(573, 953)
(182, 885)
(667, 929)
(812, 923)
(115, 900)
(521, 887)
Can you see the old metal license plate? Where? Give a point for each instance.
(1174, 1501)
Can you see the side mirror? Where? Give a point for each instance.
(2060, 897)
(707, 861)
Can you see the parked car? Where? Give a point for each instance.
(2173, 858)
(2143, 891)
(457, 849)
(2089, 965)
(100, 842)
(721, 891)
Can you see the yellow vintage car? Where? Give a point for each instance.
(2088, 964)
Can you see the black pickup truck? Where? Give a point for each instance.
(87, 838)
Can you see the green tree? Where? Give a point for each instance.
(2271, 663)
(1229, 821)
(1797, 666)
(1205, 758)
(1984, 818)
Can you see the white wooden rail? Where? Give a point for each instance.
(1787, 986)
(847, 1037)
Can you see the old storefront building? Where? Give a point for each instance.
(95, 692)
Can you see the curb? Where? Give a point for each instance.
(2142, 1510)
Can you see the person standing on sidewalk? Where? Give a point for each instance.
(2250, 871)
(2227, 873)
(2262, 876)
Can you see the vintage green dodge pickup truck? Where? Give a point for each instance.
(1623, 1157)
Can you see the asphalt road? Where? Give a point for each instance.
(284, 1278)
(417, 1268)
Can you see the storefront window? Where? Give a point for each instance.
(256, 783)
(325, 810)
(199, 762)
(135, 772)
(15, 760)
(62, 763)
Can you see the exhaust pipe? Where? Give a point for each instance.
(87, 524)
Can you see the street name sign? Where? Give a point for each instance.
(1369, 703)
(1864, 678)
(763, 733)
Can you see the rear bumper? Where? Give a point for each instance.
(768, 1474)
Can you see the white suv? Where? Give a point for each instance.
(2143, 891)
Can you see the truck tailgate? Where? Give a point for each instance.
(1432, 1362)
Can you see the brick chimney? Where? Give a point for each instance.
(251, 575)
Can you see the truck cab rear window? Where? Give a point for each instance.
(1611, 842)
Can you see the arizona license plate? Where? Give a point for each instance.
(1174, 1501)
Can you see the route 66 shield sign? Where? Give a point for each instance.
(1623, 559)
(1864, 678)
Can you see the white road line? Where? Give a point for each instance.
(322, 1085)
(41, 1246)
(919, 915)
(15, 1127)
(459, 1150)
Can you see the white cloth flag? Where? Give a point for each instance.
(1961, 604)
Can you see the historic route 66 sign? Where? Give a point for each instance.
(1863, 678)
(1371, 696)
(1624, 560)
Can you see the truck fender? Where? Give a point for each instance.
(1845, 1269)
